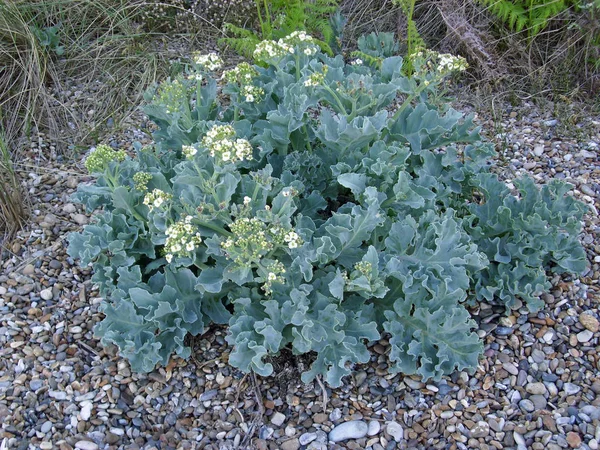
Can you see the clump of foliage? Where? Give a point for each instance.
(279, 18)
(334, 205)
(413, 40)
(530, 15)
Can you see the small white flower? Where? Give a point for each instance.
(271, 276)
(291, 236)
(247, 200)
(158, 202)
(190, 246)
(293, 244)
(188, 219)
(169, 257)
(250, 98)
(226, 156)
(286, 192)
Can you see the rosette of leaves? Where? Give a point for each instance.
(362, 210)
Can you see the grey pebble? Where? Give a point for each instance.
(307, 438)
(395, 430)
(46, 427)
(374, 428)
(208, 395)
(355, 429)
(571, 389)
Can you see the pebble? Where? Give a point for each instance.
(46, 294)
(571, 389)
(527, 405)
(584, 336)
(355, 429)
(69, 208)
(307, 438)
(278, 419)
(86, 445)
(589, 322)
(573, 439)
(536, 388)
(291, 444)
(46, 427)
(395, 430)
(374, 428)
(86, 411)
(538, 150)
(50, 370)
(80, 219)
(482, 429)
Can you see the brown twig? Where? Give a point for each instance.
(324, 391)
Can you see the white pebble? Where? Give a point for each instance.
(86, 445)
(374, 428)
(395, 430)
(538, 150)
(277, 419)
(86, 411)
(46, 294)
(355, 429)
(584, 336)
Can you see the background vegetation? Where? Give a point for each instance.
(539, 46)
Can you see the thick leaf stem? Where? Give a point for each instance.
(337, 100)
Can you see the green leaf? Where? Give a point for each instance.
(210, 280)
(356, 182)
(431, 343)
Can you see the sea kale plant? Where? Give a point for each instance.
(314, 205)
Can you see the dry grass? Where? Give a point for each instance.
(13, 210)
(105, 45)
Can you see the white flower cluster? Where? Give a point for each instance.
(172, 95)
(292, 239)
(195, 76)
(189, 151)
(141, 179)
(242, 73)
(439, 63)
(102, 156)
(451, 63)
(266, 50)
(156, 199)
(364, 268)
(212, 61)
(182, 239)
(221, 144)
(274, 275)
(251, 93)
(299, 36)
(357, 62)
(316, 79)
(253, 239)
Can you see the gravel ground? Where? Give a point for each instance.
(537, 387)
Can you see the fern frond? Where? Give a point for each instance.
(239, 31)
(243, 42)
(325, 47)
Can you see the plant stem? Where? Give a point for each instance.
(337, 99)
(305, 131)
(212, 226)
